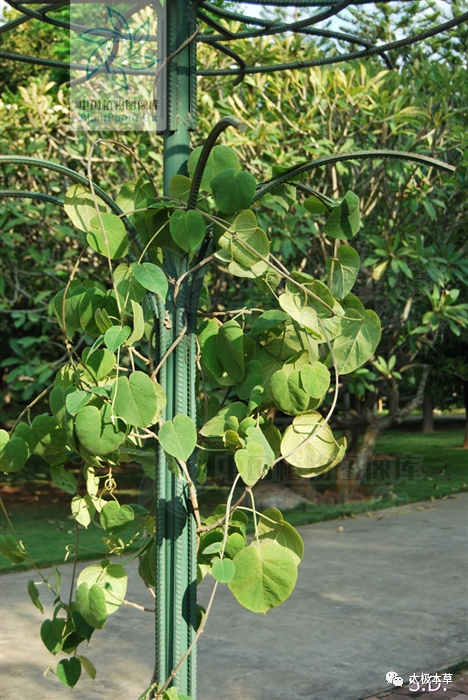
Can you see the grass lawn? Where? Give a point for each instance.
(418, 467)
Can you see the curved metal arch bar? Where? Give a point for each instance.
(358, 155)
(19, 194)
(82, 180)
(408, 41)
(241, 63)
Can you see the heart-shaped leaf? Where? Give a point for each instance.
(151, 277)
(360, 336)
(83, 509)
(220, 158)
(51, 634)
(187, 229)
(178, 437)
(250, 463)
(342, 271)
(315, 379)
(111, 578)
(116, 518)
(76, 400)
(272, 526)
(223, 569)
(230, 343)
(233, 190)
(69, 671)
(90, 301)
(344, 220)
(64, 479)
(97, 433)
(264, 577)
(115, 337)
(80, 207)
(107, 235)
(138, 400)
(91, 604)
(99, 363)
(14, 453)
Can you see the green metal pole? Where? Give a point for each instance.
(175, 526)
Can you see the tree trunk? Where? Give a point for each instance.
(465, 396)
(428, 415)
(366, 450)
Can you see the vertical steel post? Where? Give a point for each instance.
(175, 526)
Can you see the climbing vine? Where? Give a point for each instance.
(107, 405)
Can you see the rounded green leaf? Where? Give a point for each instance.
(111, 578)
(51, 634)
(90, 301)
(80, 207)
(108, 236)
(115, 518)
(115, 337)
(314, 205)
(233, 190)
(311, 442)
(178, 437)
(230, 344)
(360, 336)
(14, 454)
(69, 671)
(272, 526)
(187, 229)
(64, 479)
(217, 426)
(138, 400)
(250, 463)
(220, 158)
(267, 321)
(98, 364)
(76, 400)
(97, 433)
(151, 277)
(315, 379)
(344, 220)
(299, 310)
(91, 604)
(265, 576)
(223, 569)
(83, 509)
(342, 271)
(179, 187)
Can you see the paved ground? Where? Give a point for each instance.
(374, 594)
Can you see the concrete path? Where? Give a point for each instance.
(374, 594)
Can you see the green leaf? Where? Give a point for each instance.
(265, 576)
(281, 532)
(69, 671)
(111, 578)
(287, 392)
(179, 187)
(314, 205)
(99, 363)
(230, 341)
(151, 277)
(344, 220)
(76, 400)
(138, 323)
(79, 205)
(63, 479)
(254, 434)
(234, 544)
(358, 340)
(247, 232)
(88, 666)
(91, 604)
(92, 300)
(178, 437)
(83, 628)
(315, 379)
(250, 463)
(34, 595)
(72, 302)
(207, 339)
(97, 433)
(108, 236)
(233, 191)
(221, 158)
(299, 310)
(128, 287)
(342, 271)
(138, 400)
(11, 549)
(187, 229)
(116, 518)
(267, 321)
(217, 426)
(14, 453)
(115, 337)
(51, 634)
(83, 509)
(223, 569)
(315, 448)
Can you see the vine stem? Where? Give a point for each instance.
(30, 405)
(170, 349)
(192, 491)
